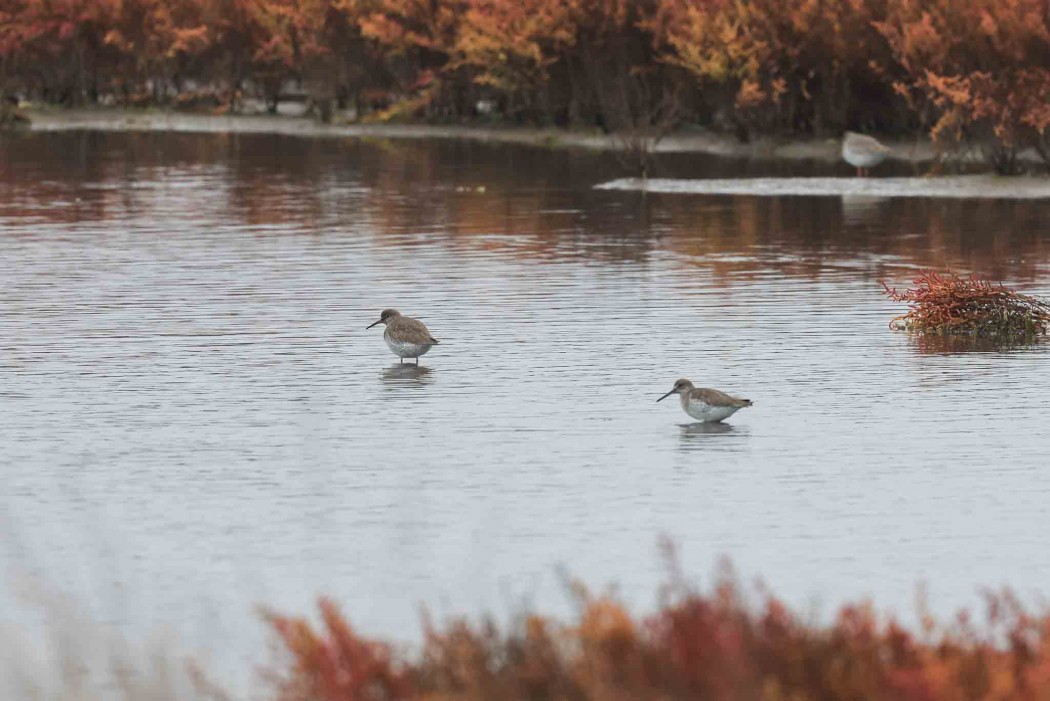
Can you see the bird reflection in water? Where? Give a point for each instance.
(862, 209)
(697, 436)
(414, 376)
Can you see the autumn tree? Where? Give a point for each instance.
(789, 65)
(418, 40)
(151, 43)
(56, 44)
(510, 48)
(974, 72)
(978, 70)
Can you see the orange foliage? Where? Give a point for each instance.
(338, 664)
(696, 646)
(949, 304)
(981, 68)
(800, 65)
(150, 39)
(509, 46)
(972, 71)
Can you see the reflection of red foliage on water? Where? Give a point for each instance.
(695, 646)
(949, 304)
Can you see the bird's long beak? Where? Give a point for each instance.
(372, 324)
(665, 396)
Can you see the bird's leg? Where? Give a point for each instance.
(417, 361)
(401, 361)
(860, 172)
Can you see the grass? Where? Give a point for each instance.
(948, 304)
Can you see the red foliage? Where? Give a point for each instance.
(973, 71)
(337, 664)
(697, 646)
(980, 70)
(797, 65)
(949, 304)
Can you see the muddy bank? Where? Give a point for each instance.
(685, 141)
(951, 186)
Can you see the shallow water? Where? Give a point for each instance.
(196, 420)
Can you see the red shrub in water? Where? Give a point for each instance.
(949, 304)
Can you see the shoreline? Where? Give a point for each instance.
(855, 190)
(695, 141)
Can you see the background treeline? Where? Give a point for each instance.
(969, 71)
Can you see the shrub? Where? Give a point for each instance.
(695, 646)
(979, 70)
(950, 304)
(788, 65)
(975, 72)
(336, 663)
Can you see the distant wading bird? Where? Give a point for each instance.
(406, 337)
(706, 404)
(863, 152)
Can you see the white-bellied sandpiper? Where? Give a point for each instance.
(706, 404)
(406, 337)
(863, 152)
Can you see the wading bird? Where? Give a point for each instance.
(863, 152)
(406, 337)
(706, 404)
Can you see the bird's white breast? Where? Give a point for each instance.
(861, 158)
(702, 411)
(406, 350)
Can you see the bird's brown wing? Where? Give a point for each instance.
(408, 330)
(714, 397)
(870, 143)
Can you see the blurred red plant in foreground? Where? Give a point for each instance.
(949, 304)
(335, 664)
(695, 646)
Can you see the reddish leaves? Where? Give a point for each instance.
(337, 663)
(980, 70)
(949, 304)
(974, 72)
(697, 646)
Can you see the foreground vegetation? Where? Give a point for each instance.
(947, 304)
(974, 73)
(724, 643)
(711, 645)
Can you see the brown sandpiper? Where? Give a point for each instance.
(705, 404)
(406, 337)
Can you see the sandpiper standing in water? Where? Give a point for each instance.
(406, 337)
(706, 404)
(863, 152)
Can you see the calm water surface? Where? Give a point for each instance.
(195, 419)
